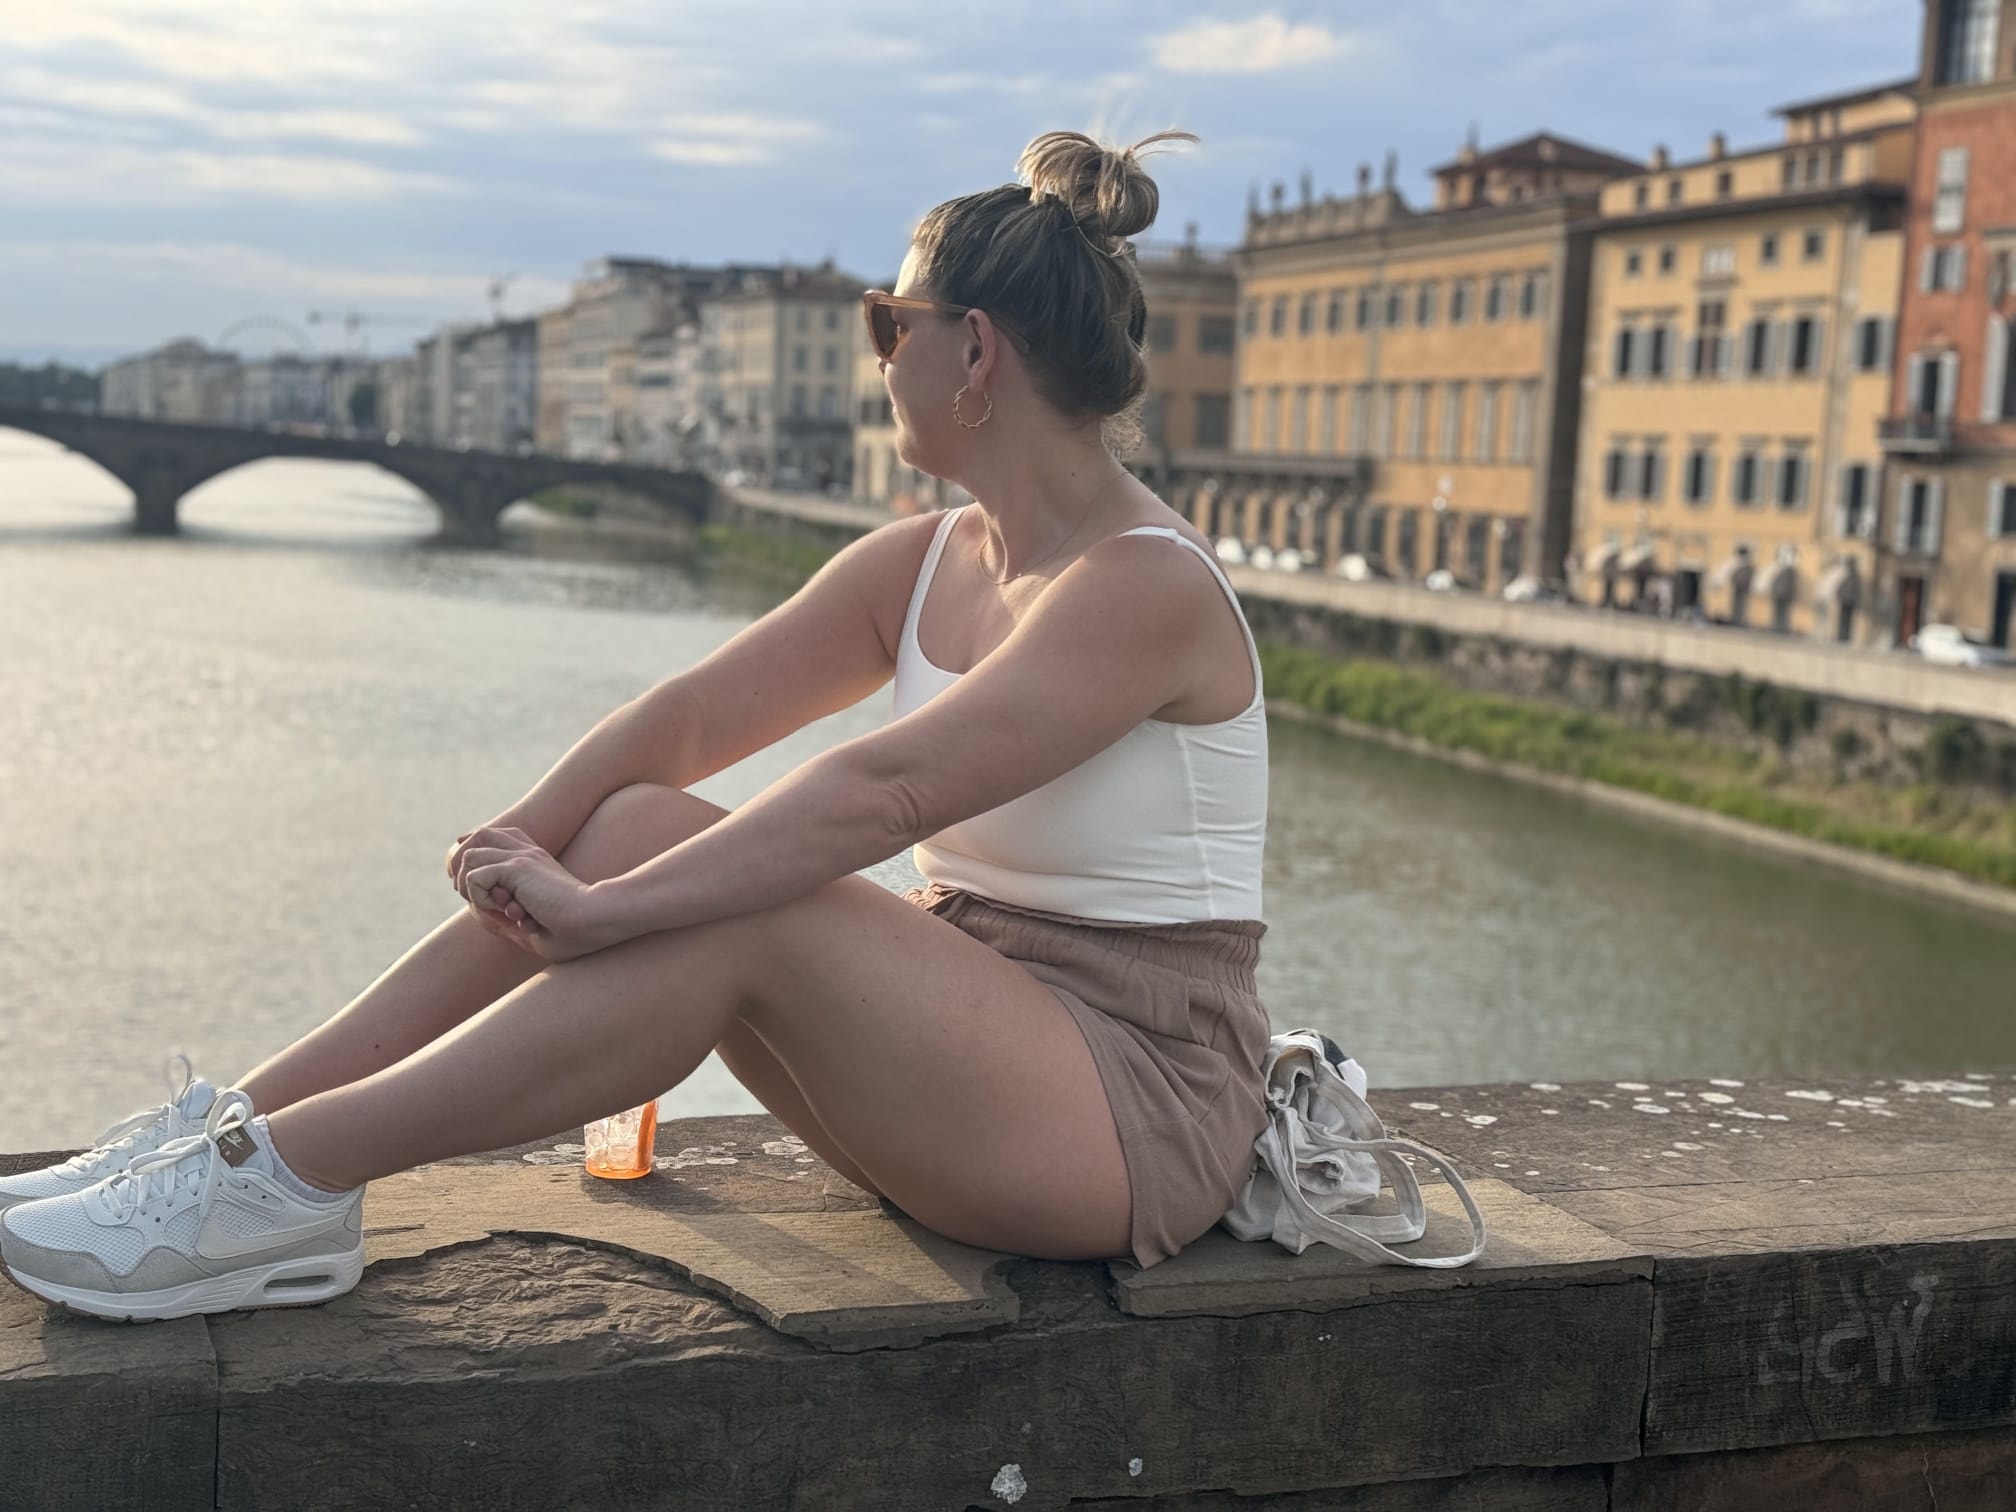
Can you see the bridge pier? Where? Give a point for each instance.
(155, 510)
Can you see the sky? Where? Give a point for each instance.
(181, 167)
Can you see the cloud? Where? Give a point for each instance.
(51, 171)
(133, 100)
(1261, 44)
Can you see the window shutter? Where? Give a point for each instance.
(1886, 340)
(1997, 491)
(1960, 266)
(1994, 366)
(1926, 264)
(1935, 512)
(1949, 382)
(1841, 521)
(1726, 343)
(1901, 541)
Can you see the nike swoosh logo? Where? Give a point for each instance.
(215, 1244)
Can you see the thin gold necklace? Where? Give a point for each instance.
(1097, 495)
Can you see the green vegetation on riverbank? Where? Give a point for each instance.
(788, 558)
(1925, 823)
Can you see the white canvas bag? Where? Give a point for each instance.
(1323, 1157)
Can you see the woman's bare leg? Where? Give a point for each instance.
(460, 968)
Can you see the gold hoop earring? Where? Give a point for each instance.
(974, 424)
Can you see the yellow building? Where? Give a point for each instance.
(779, 361)
(1408, 380)
(1191, 341)
(1742, 312)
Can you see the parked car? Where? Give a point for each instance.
(1441, 580)
(1950, 646)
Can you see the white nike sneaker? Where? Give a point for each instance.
(127, 1140)
(190, 1228)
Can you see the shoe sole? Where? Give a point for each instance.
(304, 1282)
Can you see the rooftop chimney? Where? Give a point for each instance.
(1661, 159)
(1718, 146)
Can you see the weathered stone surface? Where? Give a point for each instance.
(1833, 1258)
(846, 1280)
(99, 1415)
(1528, 1240)
(1949, 1472)
(1584, 1488)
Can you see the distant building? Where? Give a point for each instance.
(395, 379)
(1191, 344)
(444, 394)
(778, 366)
(666, 383)
(1409, 380)
(503, 386)
(1950, 542)
(183, 380)
(553, 375)
(1741, 313)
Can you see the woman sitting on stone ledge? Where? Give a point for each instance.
(1052, 1049)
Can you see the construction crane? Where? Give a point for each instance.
(357, 324)
(498, 285)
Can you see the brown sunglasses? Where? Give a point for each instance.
(884, 334)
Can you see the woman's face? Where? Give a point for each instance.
(932, 363)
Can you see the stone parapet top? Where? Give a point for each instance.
(1686, 1278)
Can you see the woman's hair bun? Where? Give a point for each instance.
(1105, 188)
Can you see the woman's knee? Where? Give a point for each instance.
(633, 824)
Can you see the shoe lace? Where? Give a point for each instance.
(125, 1192)
(127, 1130)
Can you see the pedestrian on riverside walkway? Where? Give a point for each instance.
(1052, 1048)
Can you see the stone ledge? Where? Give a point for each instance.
(1761, 1295)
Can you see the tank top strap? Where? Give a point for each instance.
(927, 572)
(1252, 646)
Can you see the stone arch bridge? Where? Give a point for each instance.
(162, 461)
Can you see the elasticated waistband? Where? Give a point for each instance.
(1222, 950)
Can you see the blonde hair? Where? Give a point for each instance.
(1049, 256)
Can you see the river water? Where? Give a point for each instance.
(232, 762)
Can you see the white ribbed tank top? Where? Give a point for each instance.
(1165, 826)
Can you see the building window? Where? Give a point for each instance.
(1305, 320)
(1921, 502)
(1854, 516)
(1214, 333)
(1790, 177)
(1767, 249)
(1967, 35)
(1417, 421)
(1658, 344)
(1460, 294)
(1757, 348)
(1396, 306)
(1813, 246)
(1525, 404)
(1485, 445)
(1705, 355)
(1944, 269)
(1533, 296)
(1425, 299)
(1676, 191)
(798, 401)
(1700, 480)
(1718, 262)
(1792, 470)
(1998, 369)
(1298, 421)
(1725, 184)
(1333, 320)
(1385, 401)
(1634, 262)
(1498, 298)
(1932, 382)
(1803, 353)
(1624, 352)
(1252, 317)
(798, 358)
(1652, 473)
(1360, 439)
(1326, 425)
(1277, 320)
(1161, 333)
(1270, 426)
(1743, 482)
(1410, 539)
(1668, 254)
(1641, 194)
(1448, 441)
(1616, 468)
(1364, 311)
(1242, 420)
(829, 361)
(2001, 509)
(1212, 417)
(1873, 335)
(1949, 199)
